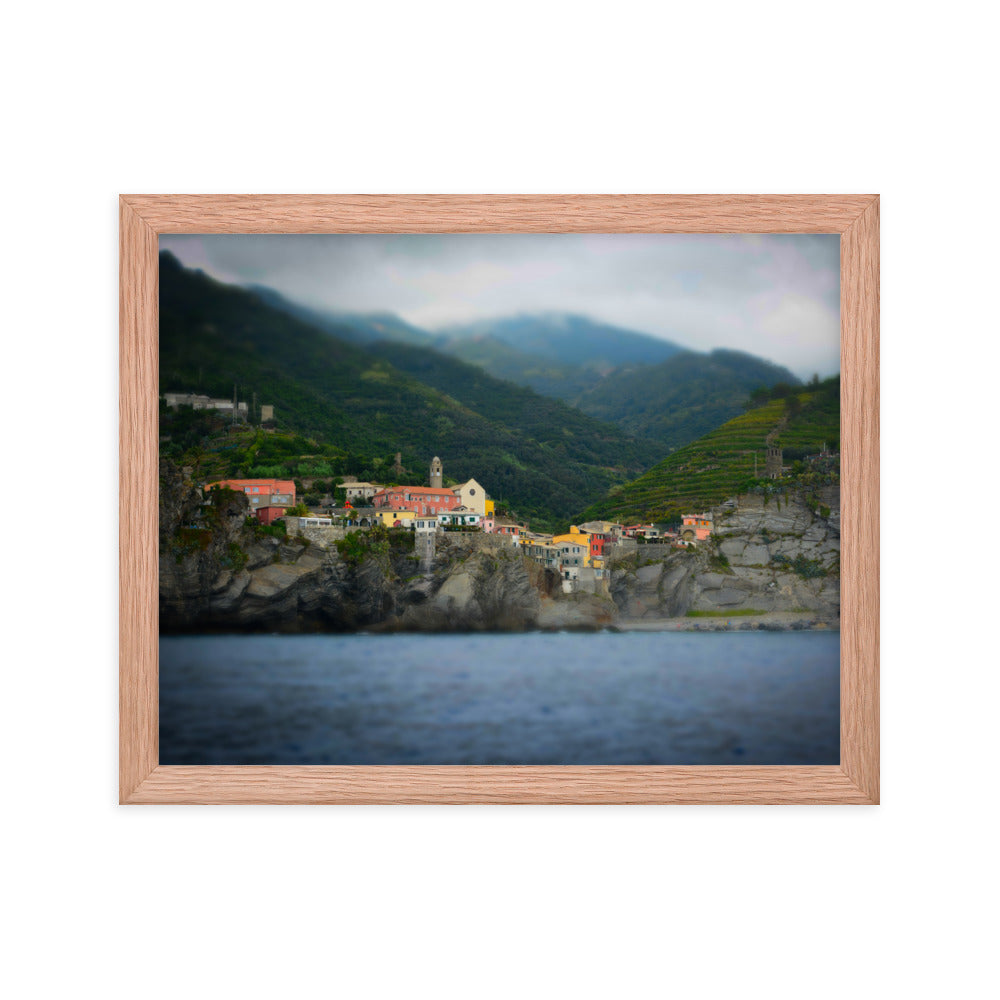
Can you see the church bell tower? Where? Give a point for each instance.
(436, 480)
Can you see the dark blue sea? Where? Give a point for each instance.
(523, 698)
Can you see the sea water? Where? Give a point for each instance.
(512, 698)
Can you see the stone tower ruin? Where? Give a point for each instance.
(772, 466)
(424, 548)
(436, 480)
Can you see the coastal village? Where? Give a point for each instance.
(297, 551)
(578, 555)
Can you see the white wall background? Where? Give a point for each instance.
(498, 902)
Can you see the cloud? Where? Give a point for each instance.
(772, 295)
(804, 331)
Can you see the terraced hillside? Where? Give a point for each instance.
(818, 420)
(721, 464)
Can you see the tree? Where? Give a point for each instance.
(758, 397)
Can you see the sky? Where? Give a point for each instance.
(776, 296)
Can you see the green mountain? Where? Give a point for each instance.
(683, 398)
(541, 457)
(543, 374)
(358, 328)
(556, 354)
(556, 427)
(562, 336)
(722, 463)
(649, 387)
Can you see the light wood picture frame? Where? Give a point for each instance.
(144, 217)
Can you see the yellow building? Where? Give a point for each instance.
(390, 517)
(575, 537)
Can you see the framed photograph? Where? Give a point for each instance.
(499, 499)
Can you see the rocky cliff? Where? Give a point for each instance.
(292, 588)
(779, 555)
(220, 572)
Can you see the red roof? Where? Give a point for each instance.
(273, 485)
(436, 490)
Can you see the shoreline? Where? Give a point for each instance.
(774, 621)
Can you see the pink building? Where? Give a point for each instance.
(419, 499)
(505, 527)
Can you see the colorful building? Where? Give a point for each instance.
(419, 499)
(269, 498)
(504, 526)
(460, 517)
(602, 533)
(648, 531)
(575, 537)
(395, 518)
(268, 515)
(473, 496)
(465, 504)
(696, 527)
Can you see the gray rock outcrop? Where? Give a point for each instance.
(782, 555)
(240, 583)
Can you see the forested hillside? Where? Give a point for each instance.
(344, 402)
(556, 354)
(554, 425)
(547, 376)
(649, 387)
(683, 398)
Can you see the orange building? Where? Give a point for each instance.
(696, 527)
